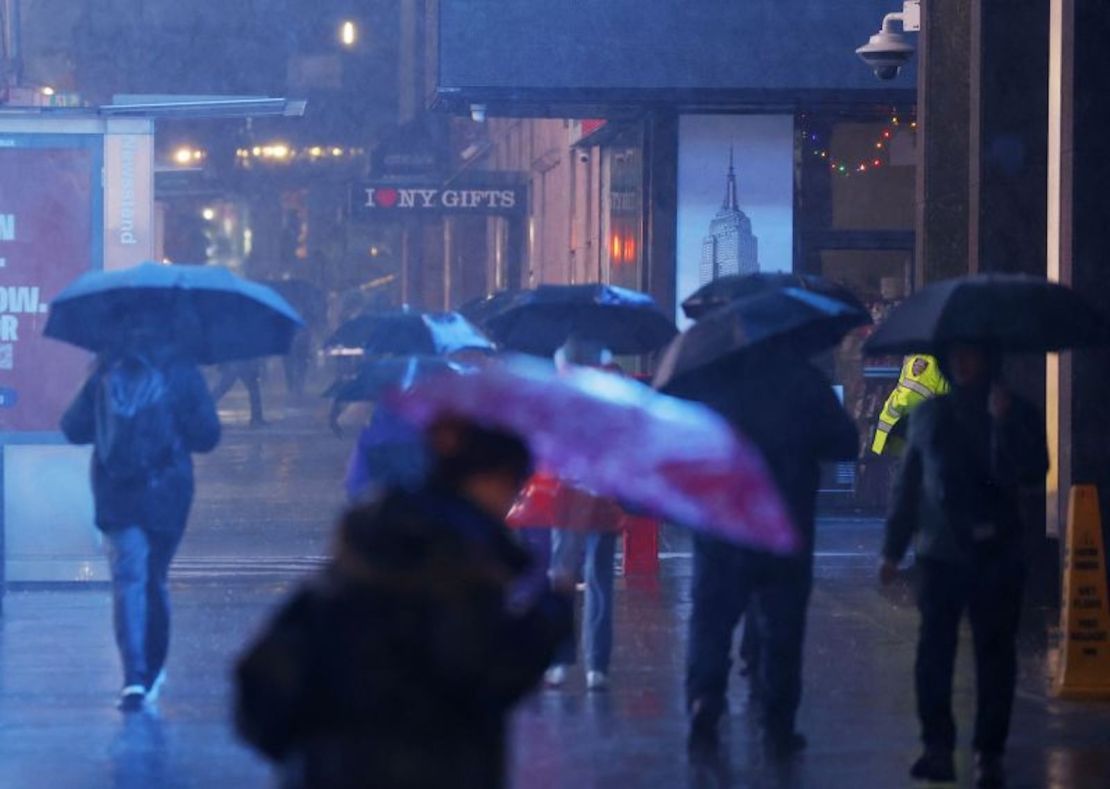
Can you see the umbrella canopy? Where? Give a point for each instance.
(725, 290)
(410, 332)
(541, 320)
(205, 311)
(379, 376)
(805, 320)
(1007, 312)
(479, 311)
(616, 437)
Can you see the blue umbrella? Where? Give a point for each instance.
(204, 311)
(409, 332)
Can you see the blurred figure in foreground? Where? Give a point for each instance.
(397, 666)
(788, 409)
(144, 410)
(968, 454)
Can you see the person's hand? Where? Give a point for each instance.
(888, 572)
(998, 404)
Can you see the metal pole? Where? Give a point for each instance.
(13, 57)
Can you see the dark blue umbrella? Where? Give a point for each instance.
(409, 332)
(205, 312)
(802, 320)
(539, 321)
(731, 287)
(1008, 312)
(382, 375)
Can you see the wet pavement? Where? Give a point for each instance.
(266, 501)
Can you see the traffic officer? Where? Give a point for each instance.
(920, 380)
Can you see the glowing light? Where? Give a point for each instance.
(876, 163)
(315, 150)
(256, 151)
(186, 155)
(47, 91)
(209, 214)
(374, 251)
(348, 33)
(280, 151)
(616, 249)
(336, 151)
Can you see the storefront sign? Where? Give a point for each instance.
(417, 199)
(128, 199)
(47, 213)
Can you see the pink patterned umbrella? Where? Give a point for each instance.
(616, 437)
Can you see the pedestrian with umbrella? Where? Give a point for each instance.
(969, 453)
(403, 332)
(145, 409)
(749, 361)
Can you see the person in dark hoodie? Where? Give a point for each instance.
(788, 409)
(144, 409)
(397, 666)
(968, 454)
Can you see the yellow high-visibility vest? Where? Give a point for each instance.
(920, 380)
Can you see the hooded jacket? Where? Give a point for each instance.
(398, 665)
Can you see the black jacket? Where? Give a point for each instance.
(160, 500)
(788, 409)
(397, 666)
(960, 477)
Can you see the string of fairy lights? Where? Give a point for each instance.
(859, 166)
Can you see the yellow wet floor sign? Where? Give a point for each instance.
(1084, 670)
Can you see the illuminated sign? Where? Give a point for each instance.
(391, 197)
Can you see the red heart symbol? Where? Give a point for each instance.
(385, 198)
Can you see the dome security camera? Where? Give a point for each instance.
(886, 52)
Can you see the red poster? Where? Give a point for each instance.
(46, 240)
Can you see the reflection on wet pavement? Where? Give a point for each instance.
(266, 502)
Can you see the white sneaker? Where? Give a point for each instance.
(155, 688)
(132, 698)
(555, 676)
(597, 680)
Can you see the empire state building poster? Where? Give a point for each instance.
(735, 197)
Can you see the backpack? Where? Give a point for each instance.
(135, 431)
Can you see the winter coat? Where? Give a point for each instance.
(788, 409)
(159, 500)
(389, 452)
(396, 668)
(960, 478)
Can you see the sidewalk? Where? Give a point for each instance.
(266, 501)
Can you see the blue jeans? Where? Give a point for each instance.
(139, 561)
(568, 548)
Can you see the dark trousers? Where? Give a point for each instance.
(139, 561)
(252, 381)
(990, 591)
(726, 579)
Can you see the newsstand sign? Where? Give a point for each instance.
(374, 198)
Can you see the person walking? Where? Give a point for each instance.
(145, 411)
(789, 410)
(397, 666)
(249, 372)
(585, 539)
(968, 454)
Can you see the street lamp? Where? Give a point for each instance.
(348, 33)
(888, 50)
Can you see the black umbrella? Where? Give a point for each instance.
(541, 320)
(725, 290)
(409, 332)
(1008, 312)
(204, 311)
(479, 311)
(804, 321)
(379, 376)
